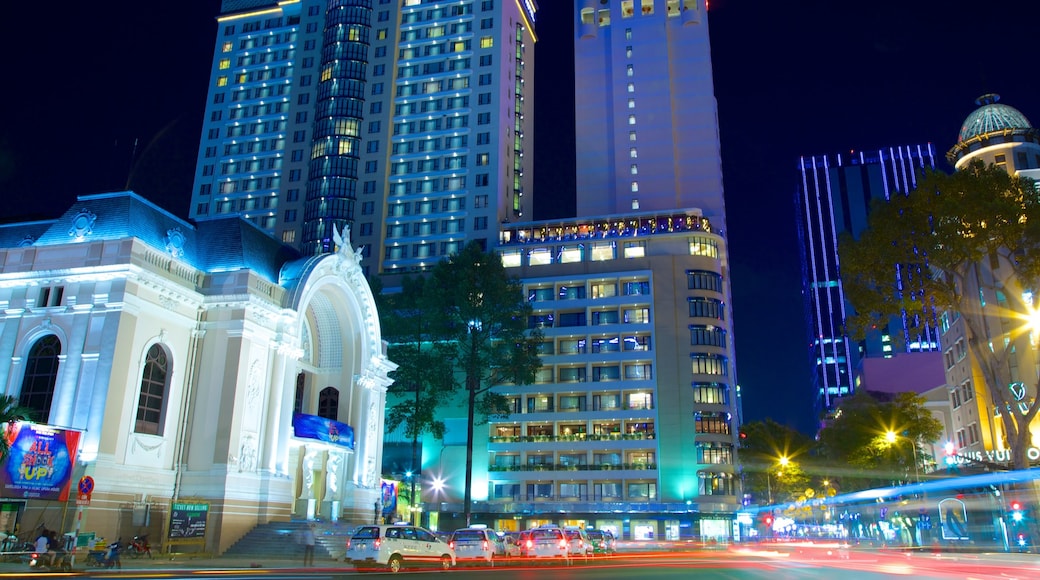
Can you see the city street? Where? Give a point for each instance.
(795, 561)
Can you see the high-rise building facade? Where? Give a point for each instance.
(631, 424)
(405, 121)
(834, 196)
(645, 113)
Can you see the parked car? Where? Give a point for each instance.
(603, 542)
(523, 540)
(578, 544)
(474, 544)
(510, 542)
(397, 546)
(547, 542)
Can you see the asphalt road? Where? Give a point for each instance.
(816, 563)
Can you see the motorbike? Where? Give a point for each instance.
(62, 562)
(106, 558)
(139, 546)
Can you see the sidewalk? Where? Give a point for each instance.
(174, 562)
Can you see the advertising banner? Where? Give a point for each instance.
(389, 498)
(322, 429)
(188, 522)
(40, 462)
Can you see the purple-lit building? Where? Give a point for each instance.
(834, 196)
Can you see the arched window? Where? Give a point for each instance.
(41, 373)
(151, 406)
(328, 403)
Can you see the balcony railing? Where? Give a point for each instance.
(574, 467)
(570, 438)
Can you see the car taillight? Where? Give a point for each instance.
(376, 543)
(563, 544)
(451, 544)
(485, 545)
(348, 543)
(530, 544)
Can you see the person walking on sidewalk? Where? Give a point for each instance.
(307, 539)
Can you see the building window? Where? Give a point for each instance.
(707, 335)
(328, 403)
(487, 42)
(710, 393)
(714, 423)
(642, 491)
(709, 364)
(155, 380)
(706, 308)
(714, 452)
(41, 373)
(703, 280)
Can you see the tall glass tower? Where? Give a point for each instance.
(406, 121)
(834, 196)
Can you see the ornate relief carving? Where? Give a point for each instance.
(175, 242)
(254, 386)
(82, 224)
(146, 446)
(247, 454)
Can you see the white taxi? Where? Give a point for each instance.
(394, 547)
(474, 544)
(546, 542)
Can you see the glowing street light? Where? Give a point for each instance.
(891, 437)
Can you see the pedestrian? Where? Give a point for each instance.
(307, 539)
(43, 547)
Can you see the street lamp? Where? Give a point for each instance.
(891, 437)
(782, 461)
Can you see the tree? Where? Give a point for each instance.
(878, 440)
(10, 412)
(940, 248)
(474, 317)
(772, 459)
(423, 379)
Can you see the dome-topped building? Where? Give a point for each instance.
(997, 134)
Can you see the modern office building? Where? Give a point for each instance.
(834, 196)
(631, 424)
(406, 121)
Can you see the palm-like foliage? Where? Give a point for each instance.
(10, 412)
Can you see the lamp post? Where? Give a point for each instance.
(891, 437)
(782, 461)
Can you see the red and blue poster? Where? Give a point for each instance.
(40, 462)
(388, 487)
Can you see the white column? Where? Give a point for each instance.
(269, 446)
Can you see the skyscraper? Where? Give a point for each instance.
(834, 196)
(646, 118)
(631, 424)
(406, 121)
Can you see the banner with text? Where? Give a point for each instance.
(40, 462)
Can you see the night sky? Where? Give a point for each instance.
(102, 95)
